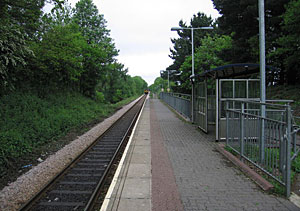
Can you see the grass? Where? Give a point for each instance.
(28, 122)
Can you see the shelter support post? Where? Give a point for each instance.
(227, 123)
(242, 127)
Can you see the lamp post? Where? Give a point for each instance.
(168, 89)
(193, 67)
(172, 71)
(168, 81)
(262, 62)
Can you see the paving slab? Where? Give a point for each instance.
(205, 179)
(135, 205)
(131, 187)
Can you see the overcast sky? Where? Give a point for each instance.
(141, 30)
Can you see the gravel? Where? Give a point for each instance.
(15, 194)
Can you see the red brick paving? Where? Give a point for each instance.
(165, 195)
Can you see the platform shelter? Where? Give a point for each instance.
(213, 87)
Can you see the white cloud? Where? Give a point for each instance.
(147, 65)
(141, 30)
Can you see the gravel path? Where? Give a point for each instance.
(13, 196)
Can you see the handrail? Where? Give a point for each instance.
(256, 102)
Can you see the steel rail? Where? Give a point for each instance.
(31, 202)
(91, 202)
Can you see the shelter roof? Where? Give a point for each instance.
(232, 71)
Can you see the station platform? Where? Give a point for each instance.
(171, 165)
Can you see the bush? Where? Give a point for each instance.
(100, 97)
(28, 121)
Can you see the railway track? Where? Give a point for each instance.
(79, 185)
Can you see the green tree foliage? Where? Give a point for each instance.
(59, 58)
(67, 49)
(140, 84)
(207, 56)
(289, 43)
(22, 13)
(46, 62)
(182, 50)
(183, 44)
(13, 52)
(158, 85)
(114, 80)
(19, 21)
(92, 24)
(240, 23)
(97, 67)
(240, 20)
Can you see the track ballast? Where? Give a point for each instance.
(79, 185)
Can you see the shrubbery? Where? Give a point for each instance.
(28, 121)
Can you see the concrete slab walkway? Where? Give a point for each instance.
(186, 172)
(131, 186)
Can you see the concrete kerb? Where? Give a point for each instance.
(259, 180)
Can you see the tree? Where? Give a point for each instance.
(92, 24)
(59, 58)
(289, 42)
(13, 52)
(240, 20)
(67, 49)
(19, 24)
(140, 85)
(22, 13)
(207, 56)
(93, 28)
(183, 46)
(159, 84)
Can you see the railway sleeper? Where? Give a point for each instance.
(60, 206)
(76, 187)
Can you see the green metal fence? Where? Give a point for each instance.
(274, 150)
(180, 102)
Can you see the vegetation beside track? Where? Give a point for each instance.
(32, 127)
(59, 75)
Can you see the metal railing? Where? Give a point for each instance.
(180, 102)
(269, 143)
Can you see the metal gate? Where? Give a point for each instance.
(200, 108)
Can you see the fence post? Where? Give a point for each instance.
(262, 134)
(227, 122)
(282, 152)
(242, 130)
(288, 151)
